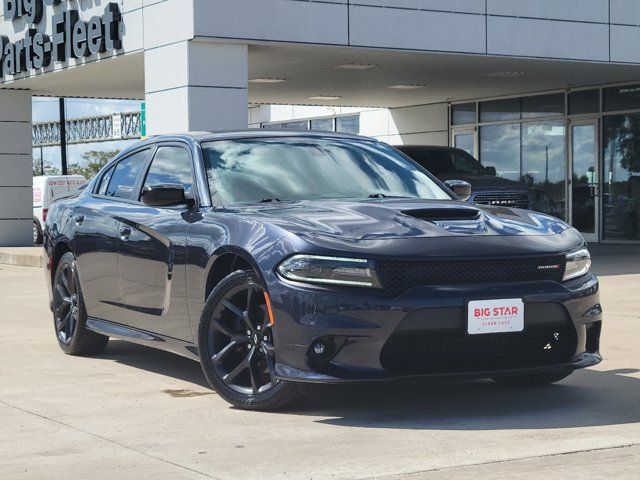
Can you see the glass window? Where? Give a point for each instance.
(104, 182)
(171, 165)
(543, 106)
(622, 98)
(125, 176)
(445, 161)
(465, 141)
(500, 148)
(500, 110)
(544, 166)
(323, 124)
(250, 171)
(584, 101)
(302, 125)
(349, 124)
(464, 114)
(621, 184)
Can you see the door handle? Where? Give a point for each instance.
(124, 233)
(78, 219)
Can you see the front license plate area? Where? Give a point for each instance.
(495, 316)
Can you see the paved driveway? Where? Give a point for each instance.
(138, 413)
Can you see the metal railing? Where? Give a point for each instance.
(120, 126)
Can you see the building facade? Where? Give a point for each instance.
(543, 90)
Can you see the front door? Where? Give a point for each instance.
(151, 252)
(584, 186)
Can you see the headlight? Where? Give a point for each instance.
(354, 272)
(578, 264)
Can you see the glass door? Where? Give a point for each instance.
(465, 139)
(584, 184)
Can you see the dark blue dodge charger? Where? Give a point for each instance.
(276, 258)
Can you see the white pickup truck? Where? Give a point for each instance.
(45, 191)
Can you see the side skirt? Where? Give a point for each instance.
(142, 337)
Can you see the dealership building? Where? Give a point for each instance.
(545, 91)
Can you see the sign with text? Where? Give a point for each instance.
(496, 316)
(71, 37)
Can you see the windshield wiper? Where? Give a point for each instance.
(382, 195)
(269, 200)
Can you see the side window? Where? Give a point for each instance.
(171, 165)
(104, 182)
(125, 176)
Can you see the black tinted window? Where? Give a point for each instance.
(125, 176)
(445, 162)
(171, 165)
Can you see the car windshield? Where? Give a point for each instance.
(445, 162)
(286, 169)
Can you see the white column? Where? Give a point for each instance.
(196, 86)
(16, 169)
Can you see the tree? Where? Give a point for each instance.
(49, 169)
(94, 160)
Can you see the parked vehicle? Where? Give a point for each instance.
(45, 190)
(487, 189)
(276, 258)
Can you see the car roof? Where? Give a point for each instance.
(202, 137)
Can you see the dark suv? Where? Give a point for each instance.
(448, 163)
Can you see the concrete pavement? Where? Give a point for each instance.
(139, 413)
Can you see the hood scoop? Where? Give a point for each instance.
(443, 214)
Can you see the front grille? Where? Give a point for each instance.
(515, 200)
(402, 274)
(431, 352)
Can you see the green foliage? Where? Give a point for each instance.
(49, 169)
(93, 161)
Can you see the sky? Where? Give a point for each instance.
(46, 109)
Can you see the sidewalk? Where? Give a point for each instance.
(22, 256)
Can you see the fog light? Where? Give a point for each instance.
(319, 348)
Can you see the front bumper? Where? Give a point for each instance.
(358, 326)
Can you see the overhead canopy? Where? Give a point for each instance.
(318, 71)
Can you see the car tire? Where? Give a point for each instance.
(534, 379)
(69, 314)
(232, 334)
(37, 233)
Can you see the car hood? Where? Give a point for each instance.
(486, 182)
(353, 221)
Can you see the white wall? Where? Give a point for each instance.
(16, 170)
(422, 124)
(590, 30)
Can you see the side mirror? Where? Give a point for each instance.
(491, 171)
(461, 188)
(164, 195)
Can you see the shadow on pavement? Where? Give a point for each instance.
(587, 398)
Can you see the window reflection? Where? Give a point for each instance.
(247, 171)
(500, 148)
(171, 165)
(544, 166)
(622, 177)
(126, 175)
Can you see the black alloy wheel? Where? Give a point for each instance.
(69, 315)
(237, 349)
(240, 340)
(65, 302)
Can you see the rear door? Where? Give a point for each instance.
(151, 252)
(96, 238)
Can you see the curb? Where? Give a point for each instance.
(22, 259)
